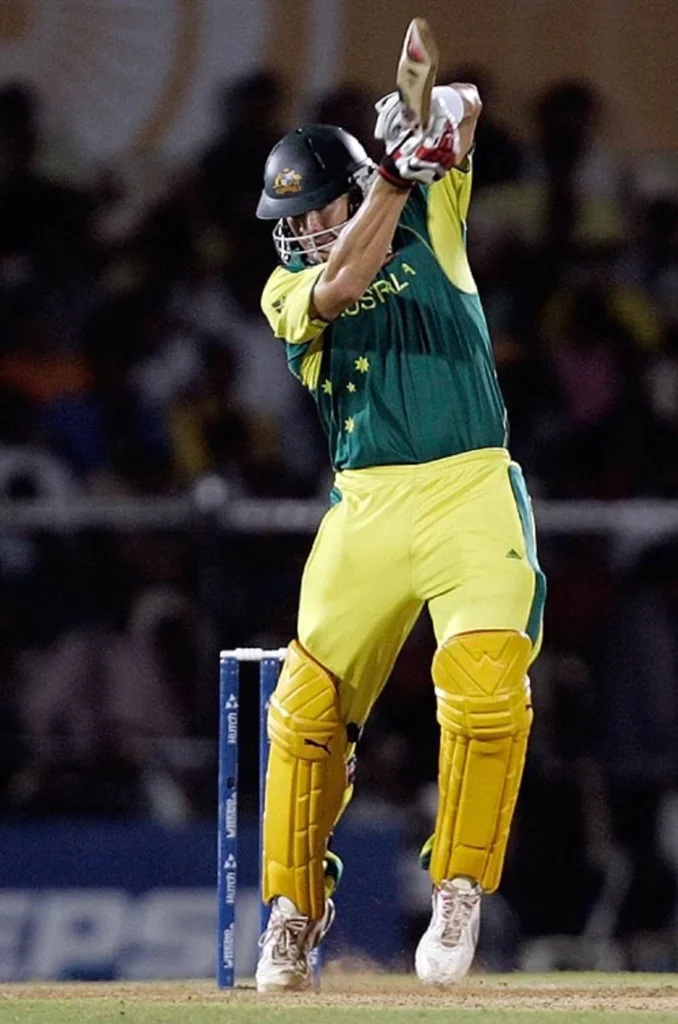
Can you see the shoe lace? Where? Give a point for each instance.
(284, 934)
(455, 908)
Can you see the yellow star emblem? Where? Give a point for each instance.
(350, 386)
(349, 425)
(327, 387)
(362, 364)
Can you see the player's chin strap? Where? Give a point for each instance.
(308, 248)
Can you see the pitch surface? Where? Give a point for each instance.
(355, 998)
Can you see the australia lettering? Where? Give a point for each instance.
(380, 291)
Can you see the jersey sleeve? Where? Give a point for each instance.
(455, 188)
(286, 302)
(448, 204)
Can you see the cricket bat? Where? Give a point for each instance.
(417, 69)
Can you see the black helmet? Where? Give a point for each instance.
(309, 168)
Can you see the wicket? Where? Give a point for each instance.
(227, 839)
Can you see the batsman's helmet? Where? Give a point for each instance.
(309, 168)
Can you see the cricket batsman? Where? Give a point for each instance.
(377, 307)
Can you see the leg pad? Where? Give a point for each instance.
(485, 714)
(305, 782)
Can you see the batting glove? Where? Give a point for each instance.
(413, 154)
(394, 121)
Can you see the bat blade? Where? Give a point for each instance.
(417, 69)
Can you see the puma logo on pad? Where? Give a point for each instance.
(323, 746)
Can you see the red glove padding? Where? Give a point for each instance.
(423, 156)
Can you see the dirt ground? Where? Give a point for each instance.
(572, 992)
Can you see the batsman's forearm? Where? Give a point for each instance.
(360, 250)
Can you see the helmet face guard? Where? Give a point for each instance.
(307, 170)
(307, 248)
(315, 247)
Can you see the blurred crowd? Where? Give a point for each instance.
(134, 360)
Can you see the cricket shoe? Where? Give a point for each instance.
(447, 947)
(285, 947)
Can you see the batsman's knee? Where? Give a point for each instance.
(303, 718)
(485, 713)
(482, 689)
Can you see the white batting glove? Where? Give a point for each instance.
(394, 119)
(414, 155)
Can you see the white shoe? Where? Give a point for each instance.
(285, 947)
(447, 947)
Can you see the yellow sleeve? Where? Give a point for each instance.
(286, 302)
(448, 203)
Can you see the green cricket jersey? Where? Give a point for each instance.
(406, 374)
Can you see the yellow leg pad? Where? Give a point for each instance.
(484, 712)
(305, 782)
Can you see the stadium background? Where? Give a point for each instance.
(148, 432)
